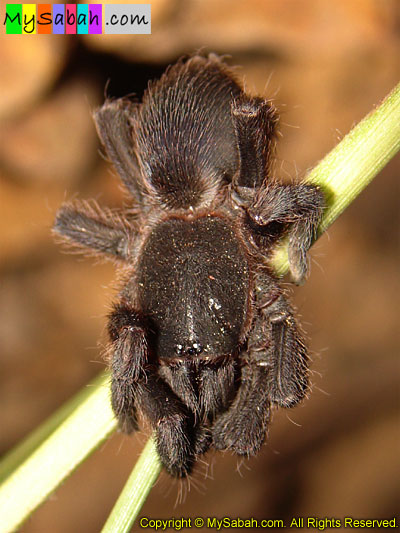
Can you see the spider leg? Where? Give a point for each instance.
(255, 121)
(274, 371)
(91, 228)
(243, 426)
(293, 209)
(277, 346)
(128, 334)
(114, 126)
(172, 422)
(272, 209)
(136, 381)
(181, 378)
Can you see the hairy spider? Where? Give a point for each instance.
(203, 340)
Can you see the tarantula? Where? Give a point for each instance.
(202, 339)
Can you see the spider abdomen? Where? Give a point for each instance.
(193, 285)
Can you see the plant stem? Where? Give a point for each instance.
(22, 451)
(134, 494)
(352, 164)
(81, 433)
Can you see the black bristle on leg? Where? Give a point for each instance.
(292, 209)
(129, 356)
(242, 428)
(255, 122)
(114, 126)
(88, 227)
(172, 423)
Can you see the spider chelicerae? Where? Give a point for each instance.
(202, 339)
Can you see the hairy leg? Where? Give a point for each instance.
(243, 426)
(272, 209)
(276, 345)
(114, 126)
(88, 226)
(275, 371)
(172, 422)
(129, 353)
(293, 209)
(255, 123)
(136, 381)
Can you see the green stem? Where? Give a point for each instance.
(39, 475)
(22, 451)
(135, 492)
(353, 163)
(343, 174)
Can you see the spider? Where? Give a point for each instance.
(203, 342)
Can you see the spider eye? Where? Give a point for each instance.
(189, 349)
(195, 349)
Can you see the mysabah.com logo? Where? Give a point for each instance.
(77, 19)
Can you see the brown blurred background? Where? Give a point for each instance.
(326, 64)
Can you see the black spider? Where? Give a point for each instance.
(203, 341)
